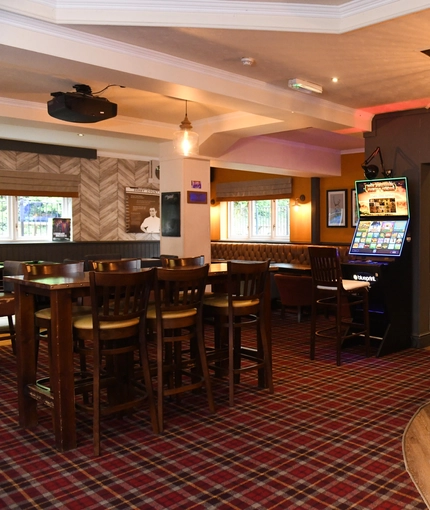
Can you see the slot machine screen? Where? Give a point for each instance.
(379, 237)
(382, 197)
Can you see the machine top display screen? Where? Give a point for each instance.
(382, 197)
(379, 237)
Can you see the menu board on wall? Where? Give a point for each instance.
(142, 211)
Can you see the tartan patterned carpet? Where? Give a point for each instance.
(329, 438)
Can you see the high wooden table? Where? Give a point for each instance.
(61, 397)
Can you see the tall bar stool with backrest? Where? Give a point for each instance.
(7, 309)
(42, 317)
(108, 265)
(242, 306)
(7, 298)
(177, 319)
(114, 331)
(331, 291)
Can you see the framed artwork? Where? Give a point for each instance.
(171, 214)
(142, 213)
(354, 215)
(336, 208)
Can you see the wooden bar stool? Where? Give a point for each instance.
(242, 306)
(112, 333)
(177, 319)
(331, 291)
(42, 317)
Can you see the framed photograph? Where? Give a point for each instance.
(354, 215)
(142, 213)
(336, 208)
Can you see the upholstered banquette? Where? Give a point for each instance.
(286, 253)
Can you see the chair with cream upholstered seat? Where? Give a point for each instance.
(242, 306)
(43, 316)
(112, 334)
(333, 293)
(177, 319)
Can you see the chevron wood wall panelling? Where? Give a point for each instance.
(49, 164)
(8, 160)
(99, 211)
(108, 199)
(27, 162)
(70, 166)
(90, 200)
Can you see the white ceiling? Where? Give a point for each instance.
(164, 51)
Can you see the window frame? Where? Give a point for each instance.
(227, 213)
(13, 224)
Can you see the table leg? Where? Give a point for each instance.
(25, 355)
(62, 370)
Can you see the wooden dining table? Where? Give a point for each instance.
(62, 291)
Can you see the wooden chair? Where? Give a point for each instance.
(331, 291)
(42, 317)
(7, 309)
(294, 292)
(242, 306)
(177, 262)
(177, 319)
(113, 332)
(115, 265)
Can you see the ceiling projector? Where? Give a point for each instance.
(80, 106)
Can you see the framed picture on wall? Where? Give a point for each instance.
(354, 215)
(336, 208)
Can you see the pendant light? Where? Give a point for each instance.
(185, 141)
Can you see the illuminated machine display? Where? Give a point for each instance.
(381, 249)
(383, 210)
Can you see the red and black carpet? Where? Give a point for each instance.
(329, 438)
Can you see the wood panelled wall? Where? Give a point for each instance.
(99, 211)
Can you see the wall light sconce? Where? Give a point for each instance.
(297, 204)
(371, 171)
(185, 141)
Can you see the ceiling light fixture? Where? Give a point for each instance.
(304, 86)
(185, 141)
(248, 61)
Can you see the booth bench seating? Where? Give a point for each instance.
(277, 253)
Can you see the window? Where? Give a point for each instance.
(258, 219)
(28, 218)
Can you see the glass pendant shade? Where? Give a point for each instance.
(186, 141)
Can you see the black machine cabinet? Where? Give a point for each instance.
(390, 299)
